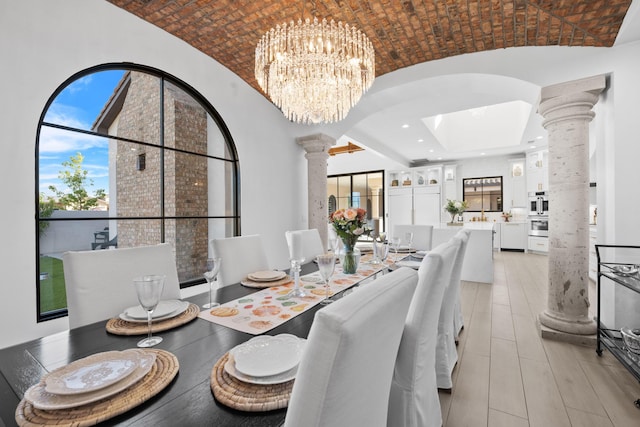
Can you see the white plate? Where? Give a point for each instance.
(184, 305)
(409, 263)
(41, 399)
(91, 373)
(266, 355)
(164, 308)
(230, 368)
(266, 276)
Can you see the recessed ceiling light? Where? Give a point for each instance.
(405, 126)
(431, 151)
(533, 146)
(482, 154)
(421, 140)
(539, 137)
(439, 158)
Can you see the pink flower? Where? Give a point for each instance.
(351, 214)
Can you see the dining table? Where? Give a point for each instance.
(188, 399)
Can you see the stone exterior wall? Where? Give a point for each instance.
(138, 191)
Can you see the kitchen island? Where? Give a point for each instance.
(478, 259)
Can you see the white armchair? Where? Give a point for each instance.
(414, 398)
(240, 255)
(345, 373)
(422, 235)
(99, 284)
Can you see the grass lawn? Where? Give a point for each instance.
(52, 291)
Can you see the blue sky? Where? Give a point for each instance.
(77, 106)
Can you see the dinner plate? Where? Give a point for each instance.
(184, 305)
(164, 308)
(230, 368)
(267, 355)
(41, 399)
(91, 373)
(266, 276)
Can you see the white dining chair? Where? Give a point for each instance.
(240, 255)
(310, 241)
(414, 401)
(422, 235)
(345, 373)
(99, 284)
(446, 351)
(458, 319)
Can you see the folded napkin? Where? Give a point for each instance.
(409, 263)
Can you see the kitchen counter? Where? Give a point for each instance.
(478, 259)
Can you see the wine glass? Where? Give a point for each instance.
(395, 244)
(382, 251)
(326, 266)
(149, 290)
(408, 236)
(213, 267)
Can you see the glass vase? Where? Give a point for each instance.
(349, 257)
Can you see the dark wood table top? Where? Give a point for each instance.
(188, 400)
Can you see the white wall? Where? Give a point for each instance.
(43, 43)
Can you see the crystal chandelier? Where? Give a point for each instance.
(315, 72)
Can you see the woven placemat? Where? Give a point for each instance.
(161, 374)
(260, 285)
(236, 394)
(122, 327)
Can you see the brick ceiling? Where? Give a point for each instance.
(403, 32)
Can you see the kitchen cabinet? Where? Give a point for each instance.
(427, 206)
(414, 196)
(517, 184)
(400, 209)
(618, 290)
(513, 235)
(538, 244)
(537, 171)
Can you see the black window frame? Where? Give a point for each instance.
(163, 77)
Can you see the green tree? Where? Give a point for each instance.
(46, 208)
(76, 178)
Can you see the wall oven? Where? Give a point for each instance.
(538, 203)
(539, 226)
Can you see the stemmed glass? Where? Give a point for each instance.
(395, 244)
(213, 267)
(382, 250)
(408, 236)
(326, 266)
(149, 289)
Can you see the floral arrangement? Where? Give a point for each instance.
(455, 207)
(350, 224)
(506, 216)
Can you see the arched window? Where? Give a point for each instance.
(128, 156)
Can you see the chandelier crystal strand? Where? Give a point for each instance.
(315, 72)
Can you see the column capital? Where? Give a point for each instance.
(316, 144)
(572, 100)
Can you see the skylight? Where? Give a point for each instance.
(481, 128)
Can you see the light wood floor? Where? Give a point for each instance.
(507, 375)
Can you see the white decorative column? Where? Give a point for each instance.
(567, 111)
(317, 148)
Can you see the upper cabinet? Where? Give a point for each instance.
(517, 181)
(400, 179)
(538, 171)
(416, 177)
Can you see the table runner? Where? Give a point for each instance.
(266, 309)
